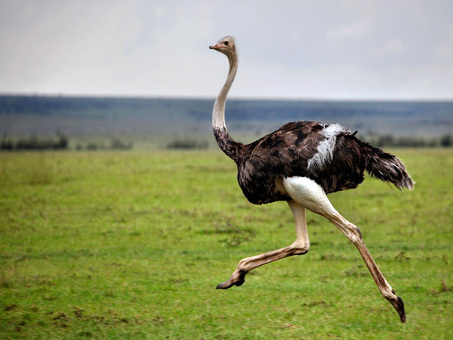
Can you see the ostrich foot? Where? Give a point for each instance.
(237, 279)
(398, 304)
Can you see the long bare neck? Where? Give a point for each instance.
(218, 112)
(230, 147)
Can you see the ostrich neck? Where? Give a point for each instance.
(218, 113)
(230, 147)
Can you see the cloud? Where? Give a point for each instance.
(389, 47)
(287, 49)
(63, 45)
(350, 31)
(445, 48)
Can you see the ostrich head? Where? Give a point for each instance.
(225, 45)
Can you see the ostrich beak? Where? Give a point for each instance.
(214, 47)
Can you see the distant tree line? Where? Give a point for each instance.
(187, 144)
(61, 142)
(115, 144)
(389, 140)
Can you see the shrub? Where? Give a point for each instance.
(187, 144)
(35, 143)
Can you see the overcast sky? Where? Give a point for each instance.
(353, 49)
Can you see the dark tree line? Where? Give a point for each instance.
(61, 142)
(187, 144)
(389, 140)
(115, 144)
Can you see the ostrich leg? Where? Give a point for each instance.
(308, 193)
(299, 247)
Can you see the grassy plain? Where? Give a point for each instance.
(120, 245)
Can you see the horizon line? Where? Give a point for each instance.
(245, 98)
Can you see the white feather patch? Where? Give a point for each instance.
(324, 152)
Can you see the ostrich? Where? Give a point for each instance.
(301, 163)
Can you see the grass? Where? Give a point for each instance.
(120, 245)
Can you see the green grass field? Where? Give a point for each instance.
(132, 245)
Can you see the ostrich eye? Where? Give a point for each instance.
(226, 43)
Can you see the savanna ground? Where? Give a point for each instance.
(120, 245)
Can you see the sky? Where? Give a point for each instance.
(307, 49)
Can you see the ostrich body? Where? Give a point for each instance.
(301, 163)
